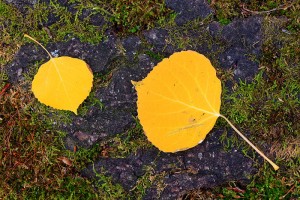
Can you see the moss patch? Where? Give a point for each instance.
(268, 109)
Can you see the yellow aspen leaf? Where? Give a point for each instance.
(179, 102)
(63, 82)
(179, 99)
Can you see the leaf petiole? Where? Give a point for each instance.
(25, 35)
(250, 143)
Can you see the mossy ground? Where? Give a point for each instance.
(33, 160)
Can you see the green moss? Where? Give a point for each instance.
(11, 23)
(154, 55)
(126, 143)
(144, 182)
(133, 16)
(69, 188)
(265, 185)
(271, 100)
(195, 34)
(227, 10)
(30, 149)
(35, 23)
(69, 25)
(130, 16)
(3, 79)
(106, 188)
(267, 110)
(91, 101)
(32, 153)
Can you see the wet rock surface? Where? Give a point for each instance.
(126, 59)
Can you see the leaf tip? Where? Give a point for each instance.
(135, 83)
(75, 112)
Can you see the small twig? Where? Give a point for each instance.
(281, 7)
(48, 32)
(4, 89)
(213, 2)
(290, 190)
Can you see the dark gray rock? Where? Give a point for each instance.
(23, 5)
(23, 60)
(236, 58)
(243, 39)
(132, 45)
(241, 47)
(205, 165)
(243, 31)
(215, 28)
(88, 15)
(119, 101)
(189, 10)
(125, 171)
(158, 38)
(94, 18)
(97, 56)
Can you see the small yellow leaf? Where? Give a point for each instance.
(63, 83)
(179, 101)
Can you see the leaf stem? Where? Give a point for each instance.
(250, 143)
(25, 35)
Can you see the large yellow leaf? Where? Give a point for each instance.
(179, 101)
(63, 83)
